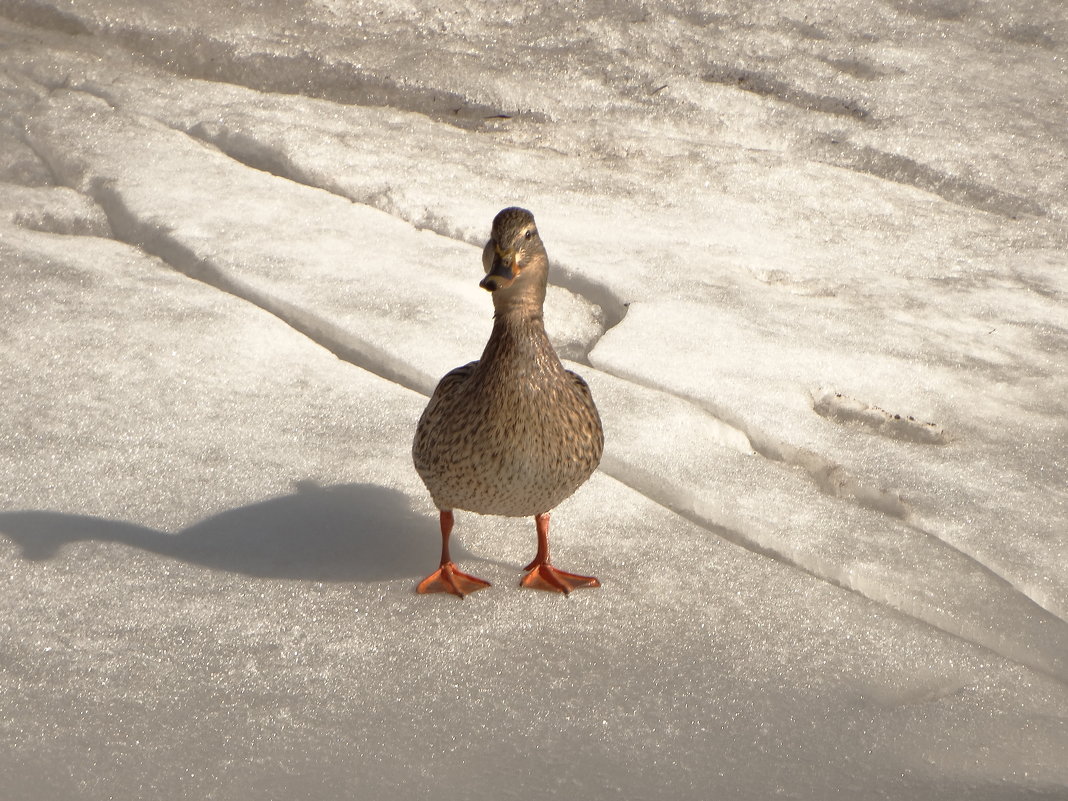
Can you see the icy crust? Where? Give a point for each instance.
(630, 196)
(679, 454)
(968, 487)
(249, 232)
(896, 91)
(210, 548)
(58, 210)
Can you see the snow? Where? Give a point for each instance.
(812, 263)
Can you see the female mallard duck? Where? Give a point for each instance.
(514, 433)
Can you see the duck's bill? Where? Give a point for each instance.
(501, 275)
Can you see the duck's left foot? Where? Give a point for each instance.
(543, 576)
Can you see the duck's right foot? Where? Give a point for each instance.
(448, 579)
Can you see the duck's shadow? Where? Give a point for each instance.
(349, 532)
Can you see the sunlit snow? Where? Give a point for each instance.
(812, 260)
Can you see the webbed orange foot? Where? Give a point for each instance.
(543, 576)
(448, 579)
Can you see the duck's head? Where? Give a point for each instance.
(515, 260)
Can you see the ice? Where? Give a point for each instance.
(234, 242)
(56, 209)
(811, 261)
(970, 478)
(675, 452)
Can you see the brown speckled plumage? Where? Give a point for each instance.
(514, 433)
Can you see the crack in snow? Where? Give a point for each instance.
(344, 344)
(126, 227)
(671, 498)
(766, 85)
(257, 155)
(830, 477)
(904, 170)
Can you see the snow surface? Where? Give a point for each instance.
(812, 260)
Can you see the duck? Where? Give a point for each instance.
(514, 433)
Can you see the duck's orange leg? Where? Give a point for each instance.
(447, 578)
(542, 575)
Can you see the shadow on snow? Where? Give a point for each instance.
(348, 532)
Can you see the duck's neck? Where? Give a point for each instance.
(519, 342)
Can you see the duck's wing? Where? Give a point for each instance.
(591, 419)
(578, 381)
(436, 415)
(453, 379)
